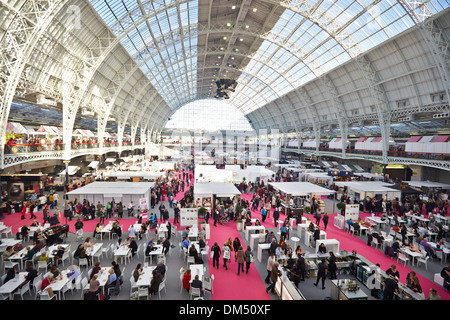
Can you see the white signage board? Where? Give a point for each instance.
(351, 211)
(189, 217)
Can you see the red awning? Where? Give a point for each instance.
(442, 139)
(377, 139)
(362, 139)
(415, 139)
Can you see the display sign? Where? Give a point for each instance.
(189, 217)
(143, 204)
(351, 211)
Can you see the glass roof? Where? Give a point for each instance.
(209, 115)
(309, 39)
(283, 69)
(172, 69)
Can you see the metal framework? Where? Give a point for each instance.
(137, 62)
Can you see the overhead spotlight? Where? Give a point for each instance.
(233, 7)
(255, 9)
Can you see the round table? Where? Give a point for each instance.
(295, 239)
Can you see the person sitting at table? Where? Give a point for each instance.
(133, 246)
(8, 252)
(58, 254)
(80, 252)
(201, 242)
(38, 245)
(186, 280)
(49, 279)
(197, 283)
(137, 271)
(185, 243)
(150, 247)
(98, 229)
(131, 231)
(161, 268)
(94, 284)
(30, 253)
(194, 253)
(427, 247)
(55, 271)
(157, 278)
(142, 230)
(111, 281)
(96, 269)
(35, 223)
(10, 274)
(116, 229)
(322, 249)
(87, 243)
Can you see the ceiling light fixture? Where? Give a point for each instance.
(254, 9)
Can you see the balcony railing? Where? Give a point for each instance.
(391, 153)
(44, 147)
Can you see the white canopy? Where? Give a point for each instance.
(369, 175)
(367, 186)
(93, 164)
(133, 174)
(300, 188)
(110, 160)
(16, 127)
(428, 184)
(217, 188)
(72, 170)
(49, 130)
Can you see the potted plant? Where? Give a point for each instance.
(239, 224)
(201, 212)
(307, 209)
(341, 206)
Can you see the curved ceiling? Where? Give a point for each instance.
(135, 62)
(269, 47)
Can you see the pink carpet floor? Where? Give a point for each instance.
(250, 286)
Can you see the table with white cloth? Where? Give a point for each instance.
(8, 242)
(163, 229)
(92, 251)
(442, 219)
(301, 229)
(445, 251)
(156, 252)
(309, 235)
(106, 229)
(376, 220)
(103, 276)
(60, 282)
(19, 257)
(12, 285)
(145, 277)
(253, 228)
(196, 269)
(253, 237)
(193, 233)
(412, 254)
(122, 252)
(53, 248)
(261, 247)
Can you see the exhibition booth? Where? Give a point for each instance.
(297, 195)
(104, 192)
